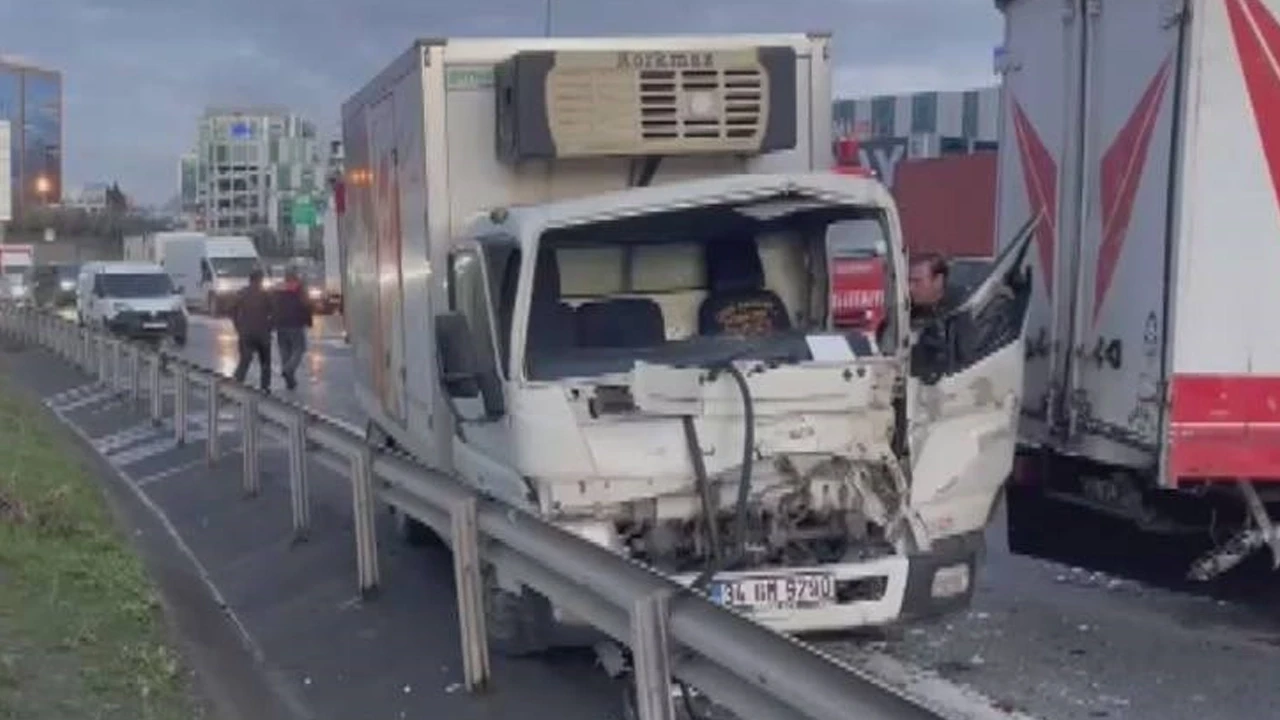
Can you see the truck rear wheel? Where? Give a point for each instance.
(517, 625)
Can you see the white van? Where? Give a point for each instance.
(134, 299)
(211, 270)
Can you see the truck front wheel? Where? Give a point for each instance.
(517, 625)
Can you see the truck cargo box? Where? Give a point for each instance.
(1148, 134)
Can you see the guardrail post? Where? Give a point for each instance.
(362, 506)
(249, 444)
(135, 371)
(104, 361)
(470, 589)
(651, 657)
(213, 402)
(181, 394)
(299, 491)
(117, 353)
(157, 390)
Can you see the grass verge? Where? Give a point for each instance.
(81, 629)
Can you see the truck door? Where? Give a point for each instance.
(388, 330)
(964, 404)
(1133, 51)
(1040, 63)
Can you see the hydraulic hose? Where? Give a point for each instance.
(718, 559)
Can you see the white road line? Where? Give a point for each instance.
(102, 395)
(168, 472)
(947, 698)
(117, 441)
(67, 396)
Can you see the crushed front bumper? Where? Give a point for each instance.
(883, 591)
(874, 593)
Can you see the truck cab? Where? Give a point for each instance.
(658, 371)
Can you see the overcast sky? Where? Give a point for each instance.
(137, 73)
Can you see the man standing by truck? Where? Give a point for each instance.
(293, 317)
(927, 284)
(254, 319)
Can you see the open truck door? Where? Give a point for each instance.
(964, 396)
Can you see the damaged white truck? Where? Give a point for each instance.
(589, 277)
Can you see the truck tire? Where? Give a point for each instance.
(517, 625)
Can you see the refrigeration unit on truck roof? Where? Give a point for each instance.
(589, 103)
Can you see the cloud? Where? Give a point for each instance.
(138, 73)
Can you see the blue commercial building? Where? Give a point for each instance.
(31, 100)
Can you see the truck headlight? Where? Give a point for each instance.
(67, 285)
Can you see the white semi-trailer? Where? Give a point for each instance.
(590, 278)
(1145, 133)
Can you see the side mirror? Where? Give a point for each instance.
(458, 364)
(463, 373)
(178, 290)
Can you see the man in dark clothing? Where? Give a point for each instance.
(293, 317)
(254, 318)
(927, 284)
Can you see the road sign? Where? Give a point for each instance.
(303, 212)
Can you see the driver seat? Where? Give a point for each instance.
(738, 303)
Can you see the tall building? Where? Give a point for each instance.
(31, 102)
(893, 128)
(255, 171)
(6, 197)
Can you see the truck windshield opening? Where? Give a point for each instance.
(689, 287)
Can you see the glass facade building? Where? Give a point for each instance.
(31, 101)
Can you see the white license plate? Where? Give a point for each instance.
(776, 591)
(155, 325)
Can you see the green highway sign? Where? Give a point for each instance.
(303, 212)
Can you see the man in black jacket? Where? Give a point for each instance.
(254, 319)
(293, 317)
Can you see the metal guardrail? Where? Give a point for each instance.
(751, 670)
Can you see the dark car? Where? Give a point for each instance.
(54, 285)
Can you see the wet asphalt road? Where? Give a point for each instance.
(1048, 640)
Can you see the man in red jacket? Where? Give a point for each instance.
(293, 317)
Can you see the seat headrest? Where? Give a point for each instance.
(734, 265)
